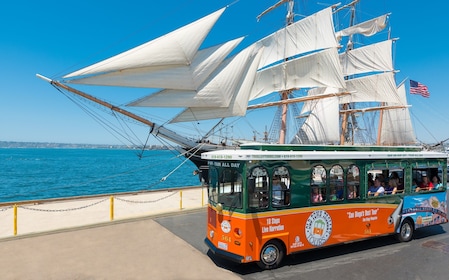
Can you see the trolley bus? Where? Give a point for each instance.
(269, 201)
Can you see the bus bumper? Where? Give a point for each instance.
(222, 253)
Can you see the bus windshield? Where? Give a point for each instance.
(226, 188)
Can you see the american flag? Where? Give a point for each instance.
(418, 88)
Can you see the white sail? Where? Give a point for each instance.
(320, 69)
(374, 88)
(322, 120)
(312, 33)
(397, 126)
(239, 100)
(367, 28)
(189, 76)
(371, 58)
(183, 96)
(174, 49)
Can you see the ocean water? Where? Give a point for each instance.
(30, 174)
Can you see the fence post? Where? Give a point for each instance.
(111, 208)
(15, 219)
(180, 200)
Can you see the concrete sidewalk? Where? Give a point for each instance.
(133, 246)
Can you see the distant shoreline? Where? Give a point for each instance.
(16, 144)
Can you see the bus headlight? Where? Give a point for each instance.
(211, 234)
(219, 207)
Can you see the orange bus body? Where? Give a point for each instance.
(298, 229)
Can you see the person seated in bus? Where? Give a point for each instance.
(390, 187)
(377, 189)
(316, 195)
(352, 192)
(436, 182)
(333, 196)
(425, 185)
(278, 191)
(340, 192)
(371, 188)
(398, 181)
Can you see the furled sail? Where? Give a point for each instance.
(137, 66)
(367, 28)
(397, 126)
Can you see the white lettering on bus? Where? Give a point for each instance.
(225, 164)
(273, 224)
(367, 215)
(272, 228)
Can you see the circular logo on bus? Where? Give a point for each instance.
(318, 227)
(225, 226)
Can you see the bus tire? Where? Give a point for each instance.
(271, 255)
(405, 231)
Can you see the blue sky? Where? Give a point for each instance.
(54, 38)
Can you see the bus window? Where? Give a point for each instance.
(258, 188)
(336, 183)
(427, 179)
(391, 181)
(318, 184)
(280, 187)
(230, 189)
(353, 182)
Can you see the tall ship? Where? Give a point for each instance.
(325, 79)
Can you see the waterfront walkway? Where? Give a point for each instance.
(76, 239)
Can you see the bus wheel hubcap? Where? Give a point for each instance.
(270, 255)
(406, 230)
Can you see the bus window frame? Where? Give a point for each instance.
(258, 190)
(285, 182)
(352, 183)
(315, 183)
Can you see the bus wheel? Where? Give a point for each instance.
(406, 231)
(271, 255)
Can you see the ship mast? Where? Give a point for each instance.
(349, 46)
(285, 93)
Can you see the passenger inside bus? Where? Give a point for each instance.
(390, 187)
(377, 189)
(316, 195)
(398, 182)
(425, 185)
(436, 182)
(278, 191)
(352, 192)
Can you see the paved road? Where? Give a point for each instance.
(425, 257)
